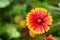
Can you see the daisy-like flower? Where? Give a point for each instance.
(50, 37)
(38, 20)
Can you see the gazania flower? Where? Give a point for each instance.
(50, 37)
(38, 20)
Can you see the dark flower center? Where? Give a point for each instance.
(39, 21)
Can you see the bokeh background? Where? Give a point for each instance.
(9, 9)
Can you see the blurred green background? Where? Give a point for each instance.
(10, 8)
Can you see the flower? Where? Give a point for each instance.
(17, 19)
(38, 20)
(22, 24)
(50, 37)
(32, 34)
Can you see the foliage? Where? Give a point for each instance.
(9, 30)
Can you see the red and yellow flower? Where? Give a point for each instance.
(50, 37)
(38, 20)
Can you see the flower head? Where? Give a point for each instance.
(50, 37)
(38, 20)
(32, 34)
(22, 24)
(17, 19)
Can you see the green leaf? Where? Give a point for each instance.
(1, 30)
(4, 3)
(56, 38)
(54, 28)
(28, 38)
(19, 9)
(0, 39)
(53, 2)
(11, 29)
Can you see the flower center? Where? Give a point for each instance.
(39, 20)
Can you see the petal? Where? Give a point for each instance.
(42, 29)
(46, 28)
(48, 20)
